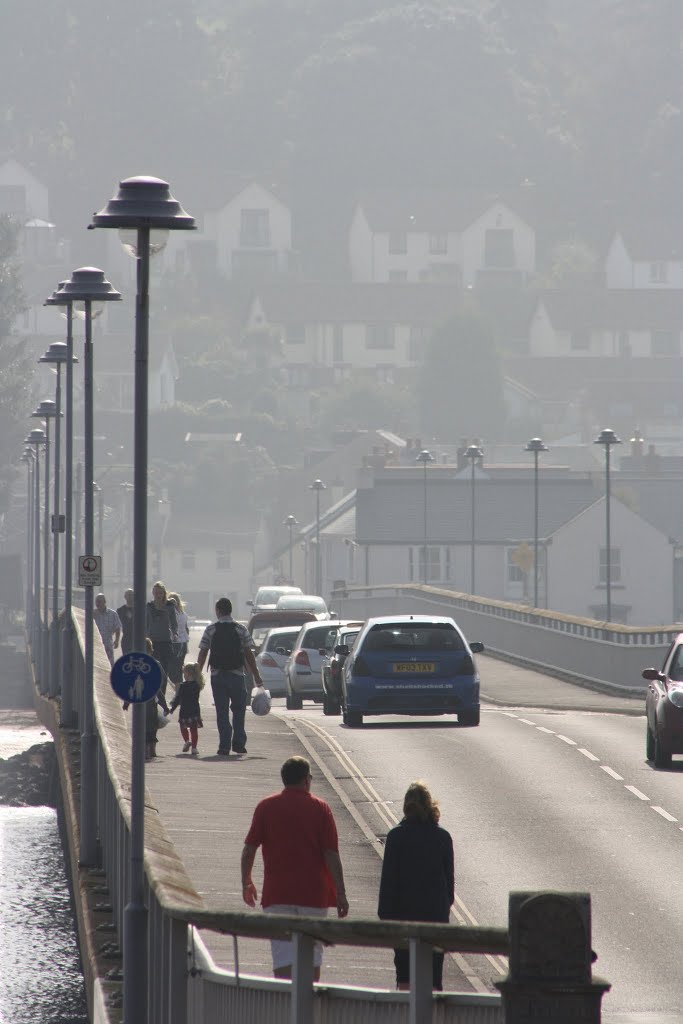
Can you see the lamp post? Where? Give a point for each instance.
(36, 438)
(27, 459)
(290, 522)
(473, 452)
(46, 411)
(425, 457)
(87, 288)
(317, 486)
(144, 211)
(66, 704)
(607, 438)
(536, 446)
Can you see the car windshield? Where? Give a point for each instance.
(304, 601)
(282, 640)
(413, 636)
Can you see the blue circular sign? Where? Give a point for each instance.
(136, 677)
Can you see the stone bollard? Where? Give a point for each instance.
(549, 979)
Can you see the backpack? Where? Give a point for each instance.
(226, 651)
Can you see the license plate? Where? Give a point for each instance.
(413, 666)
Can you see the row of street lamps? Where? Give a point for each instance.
(474, 453)
(144, 211)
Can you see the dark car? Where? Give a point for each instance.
(333, 662)
(664, 707)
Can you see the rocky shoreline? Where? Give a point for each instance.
(26, 779)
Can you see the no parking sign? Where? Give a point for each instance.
(90, 571)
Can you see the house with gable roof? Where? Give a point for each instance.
(411, 235)
(647, 254)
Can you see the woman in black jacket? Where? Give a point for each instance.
(417, 881)
(161, 625)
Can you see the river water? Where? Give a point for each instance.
(40, 975)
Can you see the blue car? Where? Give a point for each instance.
(411, 665)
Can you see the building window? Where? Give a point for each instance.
(338, 344)
(296, 334)
(615, 566)
(188, 559)
(222, 560)
(398, 276)
(624, 343)
(514, 573)
(255, 228)
(438, 564)
(379, 336)
(580, 340)
(398, 243)
(658, 272)
(438, 245)
(499, 248)
(665, 343)
(417, 343)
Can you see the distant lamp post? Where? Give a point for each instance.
(35, 439)
(473, 452)
(318, 486)
(143, 211)
(27, 459)
(425, 457)
(607, 438)
(290, 522)
(536, 446)
(46, 411)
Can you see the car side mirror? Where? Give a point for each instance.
(652, 673)
(342, 649)
(334, 615)
(250, 603)
(476, 647)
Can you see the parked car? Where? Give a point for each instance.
(411, 665)
(276, 647)
(664, 707)
(302, 671)
(341, 642)
(261, 622)
(304, 602)
(268, 597)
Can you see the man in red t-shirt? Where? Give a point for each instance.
(302, 868)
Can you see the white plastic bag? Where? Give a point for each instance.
(260, 700)
(162, 719)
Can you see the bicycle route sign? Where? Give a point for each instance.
(90, 571)
(135, 677)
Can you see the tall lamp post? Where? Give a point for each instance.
(35, 439)
(318, 486)
(46, 411)
(86, 289)
(290, 522)
(536, 446)
(607, 438)
(144, 211)
(473, 452)
(27, 459)
(425, 457)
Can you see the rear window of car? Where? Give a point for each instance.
(314, 639)
(270, 596)
(413, 636)
(292, 601)
(282, 640)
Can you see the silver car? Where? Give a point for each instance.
(302, 671)
(272, 656)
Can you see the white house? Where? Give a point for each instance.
(645, 255)
(22, 194)
(433, 235)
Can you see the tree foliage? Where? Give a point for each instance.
(15, 367)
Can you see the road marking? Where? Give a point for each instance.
(527, 721)
(636, 792)
(565, 739)
(664, 814)
(587, 753)
(510, 714)
(611, 771)
(542, 728)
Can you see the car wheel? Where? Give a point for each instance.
(468, 718)
(353, 719)
(293, 702)
(662, 757)
(330, 706)
(649, 743)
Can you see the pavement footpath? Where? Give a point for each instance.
(206, 804)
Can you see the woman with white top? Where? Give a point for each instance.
(180, 648)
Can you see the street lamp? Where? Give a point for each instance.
(144, 211)
(607, 438)
(536, 446)
(36, 438)
(46, 411)
(425, 457)
(88, 287)
(290, 522)
(473, 452)
(317, 486)
(27, 459)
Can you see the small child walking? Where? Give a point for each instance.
(190, 717)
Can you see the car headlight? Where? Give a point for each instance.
(676, 697)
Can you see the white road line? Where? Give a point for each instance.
(510, 714)
(587, 753)
(527, 721)
(636, 792)
(611, 771)
(565, 739)
(542, 728)
(664, 814)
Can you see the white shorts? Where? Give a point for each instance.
(283, 949)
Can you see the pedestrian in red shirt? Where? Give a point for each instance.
(302, 869)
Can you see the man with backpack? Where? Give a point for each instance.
(227, 644)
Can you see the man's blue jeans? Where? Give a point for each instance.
(230, 694)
